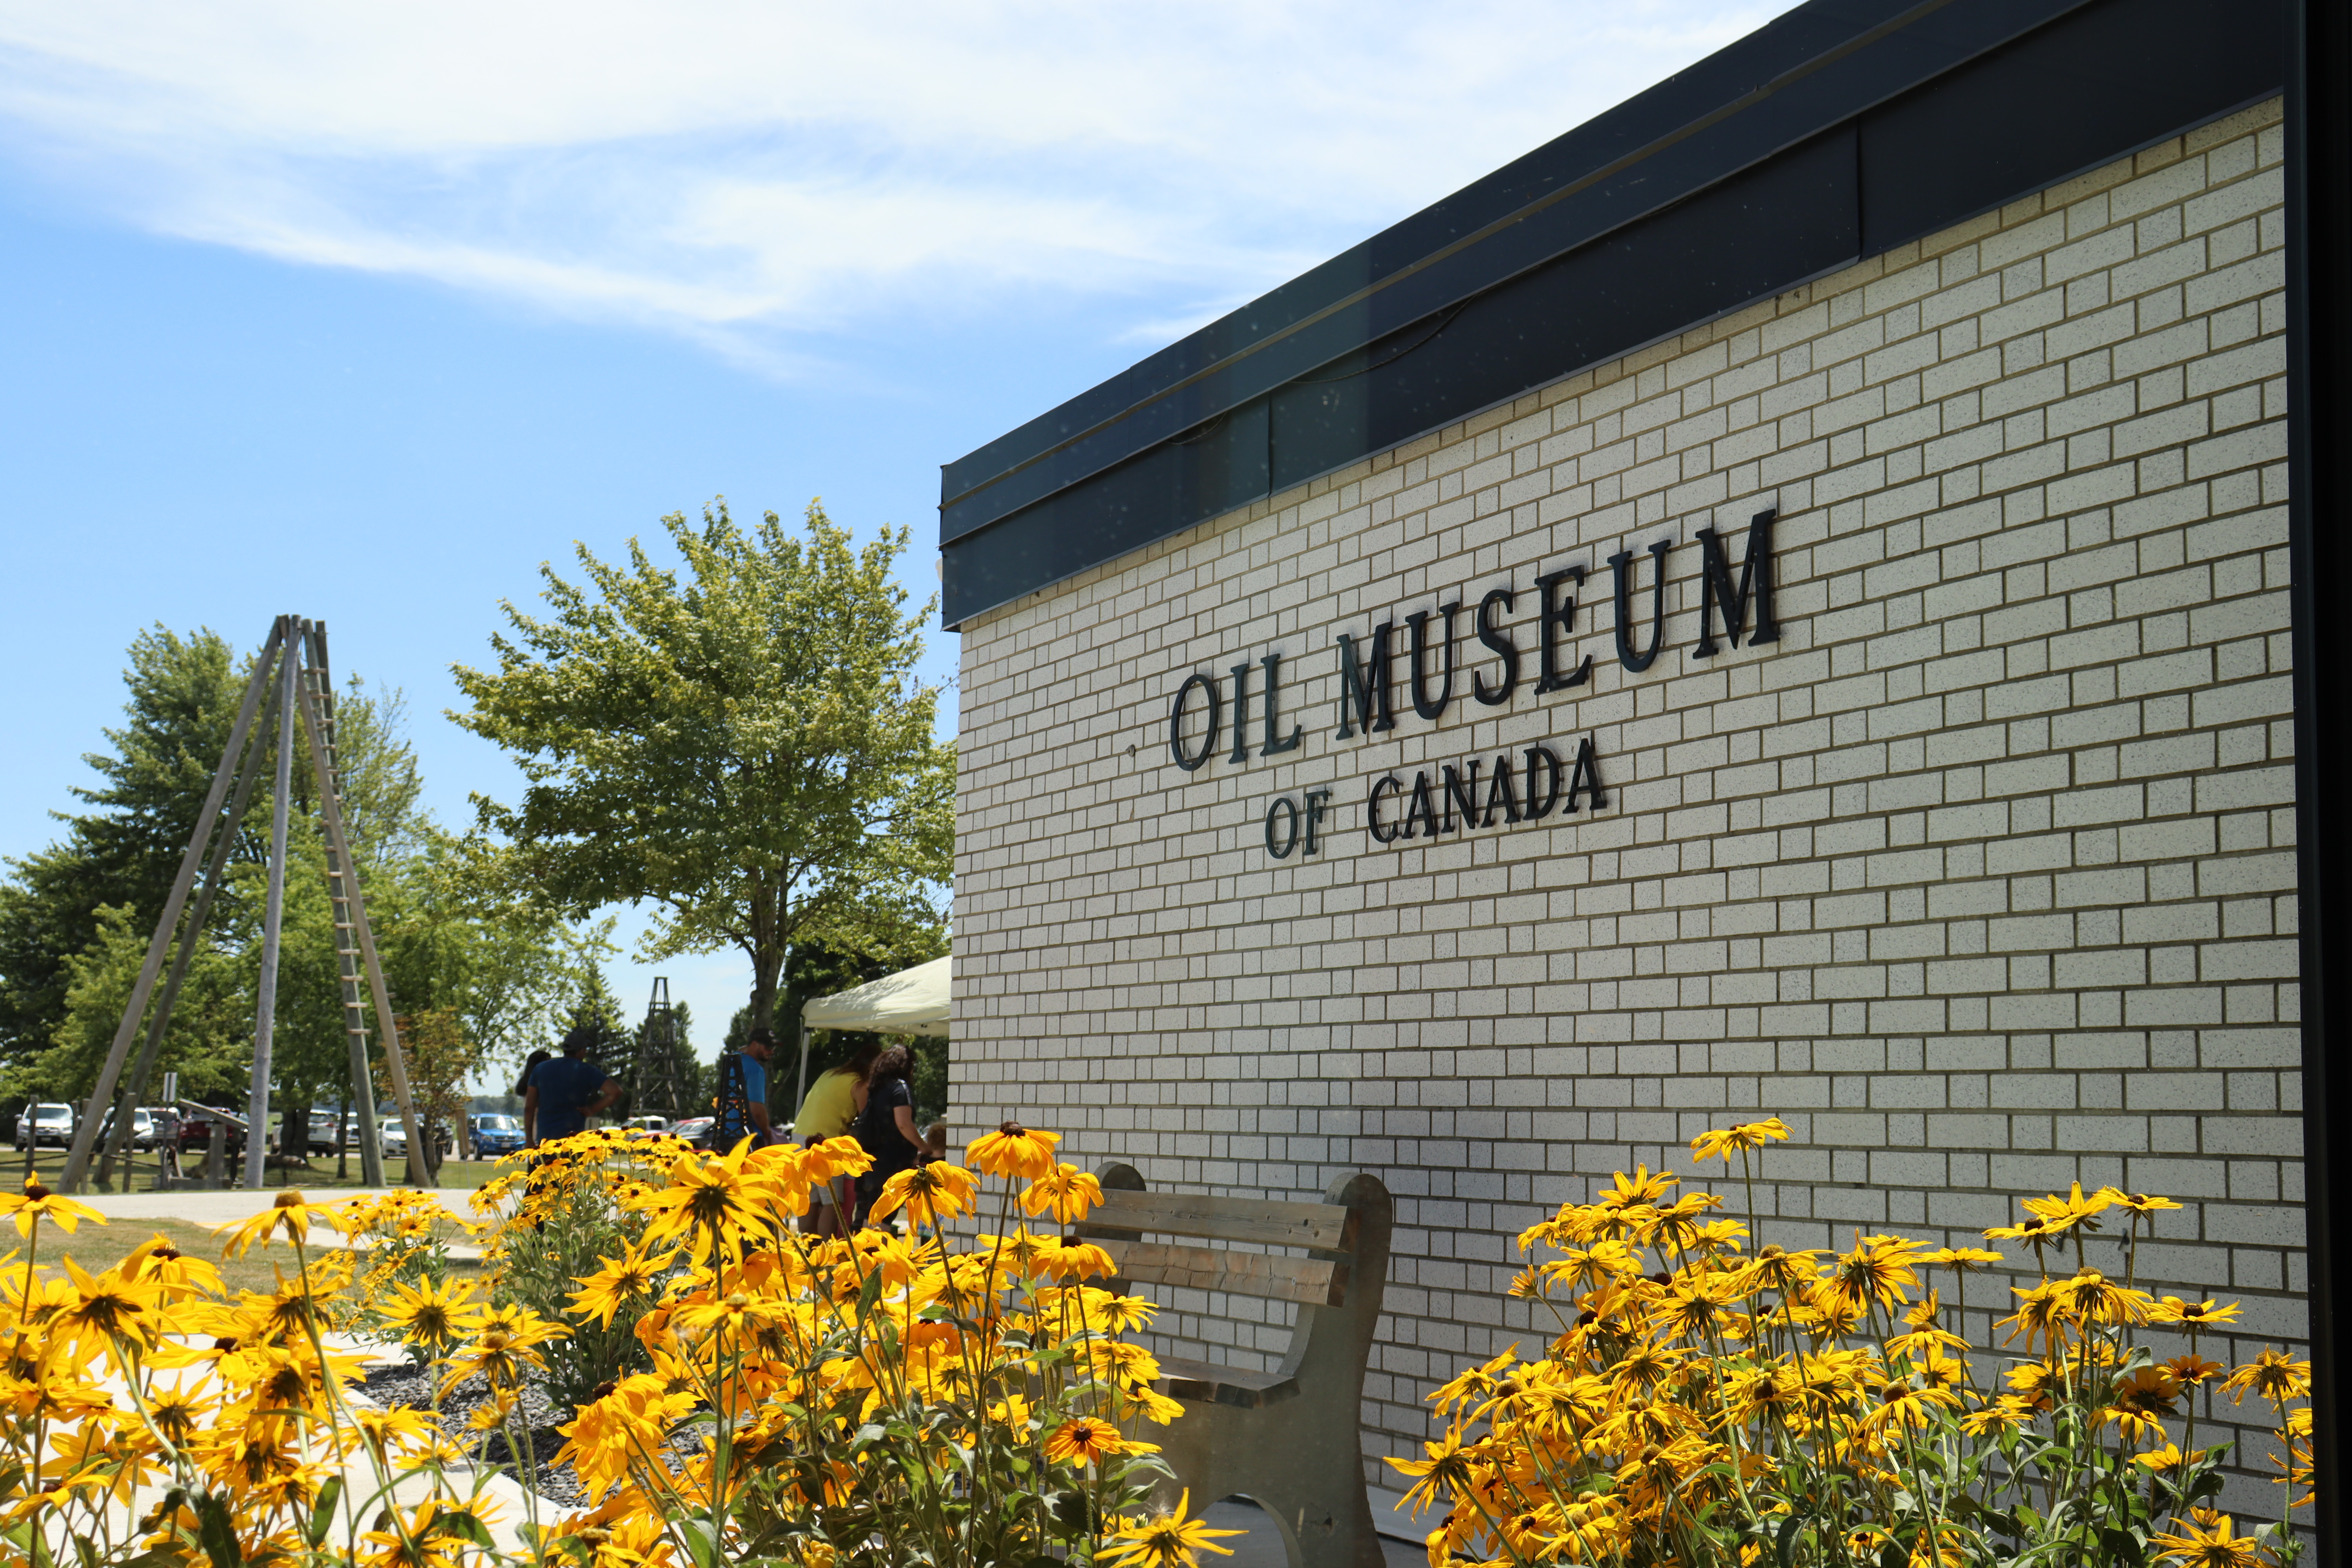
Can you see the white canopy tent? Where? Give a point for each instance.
(911, 1002)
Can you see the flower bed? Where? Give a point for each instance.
(890, 1399)
(750, 1393)
(1706, 1403)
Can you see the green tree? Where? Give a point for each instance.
(76, 919)
(383, 787)
(209, 1043)
(504, 967)
(742, 745)
(123, 850)
(593, 1008)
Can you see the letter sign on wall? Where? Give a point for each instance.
(1469, 795)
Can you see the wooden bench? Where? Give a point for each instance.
(1289, 1439)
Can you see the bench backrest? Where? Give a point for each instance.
(1328, 1232)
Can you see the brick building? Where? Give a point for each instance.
(1854, 509)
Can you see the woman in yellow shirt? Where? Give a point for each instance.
(829, 1109)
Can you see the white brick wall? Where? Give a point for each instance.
(1982, 876)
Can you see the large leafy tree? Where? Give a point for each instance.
(742, 745)
(209, 1043)
(122, 850)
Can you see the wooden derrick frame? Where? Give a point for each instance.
(289, 674)
(655, 1060)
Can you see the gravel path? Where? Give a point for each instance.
(406, 1387)
(396, 1387)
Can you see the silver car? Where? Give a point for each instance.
(143, 1130)
(44, 1124)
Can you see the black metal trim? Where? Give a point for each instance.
(1552, 265)
(1806, 71)
(2319, 494)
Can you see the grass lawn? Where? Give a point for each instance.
(96, 1246)
(456, 1175)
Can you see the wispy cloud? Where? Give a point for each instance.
(761, 177)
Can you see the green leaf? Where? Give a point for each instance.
(216, 1533)
(700, 1541)
(470, 1524)
(322, 1512)
(1787, 1543)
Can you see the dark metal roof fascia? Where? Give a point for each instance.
(1806, 71)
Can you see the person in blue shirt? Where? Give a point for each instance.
(561, 1093)
(757, 1048)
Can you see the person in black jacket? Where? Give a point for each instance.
(886, 1128)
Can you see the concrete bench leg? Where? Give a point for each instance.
(1309, 1480)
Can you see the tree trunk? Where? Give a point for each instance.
(767, 966)
(767, 945)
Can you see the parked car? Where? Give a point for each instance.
(495, 1134)
(644, 1126)
(143, 1130)
(45, 1123)
(693, 1128)
(197, 1133)
(326, 1133)
(396, 1137)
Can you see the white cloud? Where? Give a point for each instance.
(758, 175)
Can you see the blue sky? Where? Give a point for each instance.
(364, 312)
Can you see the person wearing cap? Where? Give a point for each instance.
(561, 1093)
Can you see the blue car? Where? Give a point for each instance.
(495, 1134)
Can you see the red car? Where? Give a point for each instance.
(196, 1135)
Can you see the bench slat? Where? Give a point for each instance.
(1310, 1282)
(1323, 1227)
(1216, 1384)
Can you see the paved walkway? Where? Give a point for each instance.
(216, 1209)
(219, 1211)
